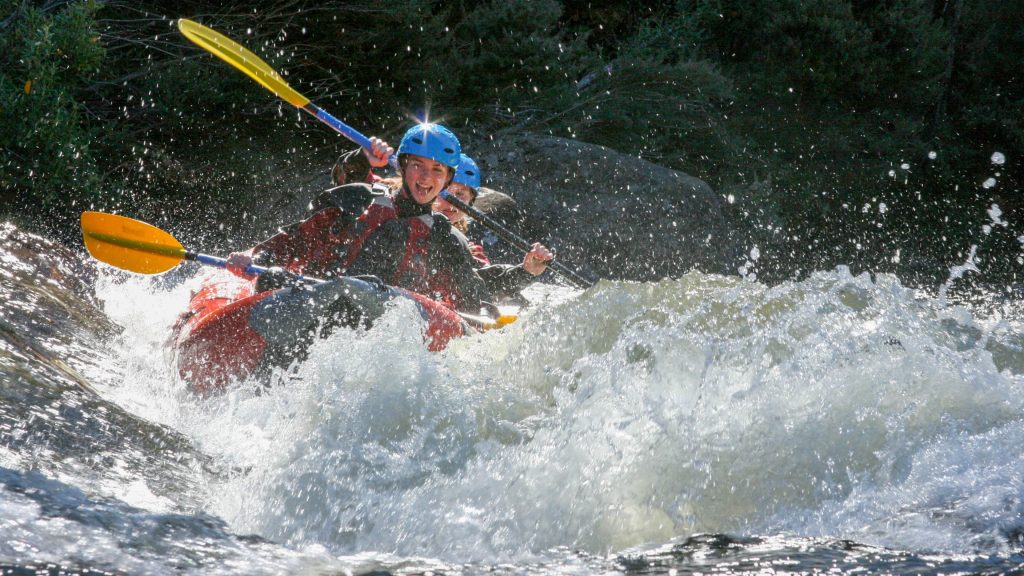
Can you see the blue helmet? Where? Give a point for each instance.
(468, 173)
(432, 141)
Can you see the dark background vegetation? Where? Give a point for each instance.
(842, 132)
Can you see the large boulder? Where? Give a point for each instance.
(607, 213)
(55, 337)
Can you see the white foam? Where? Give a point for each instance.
(633, 413)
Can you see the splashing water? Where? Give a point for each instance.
(634, 413)
(623, 420)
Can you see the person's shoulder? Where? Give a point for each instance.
(441, 221)
(459, 235)
(351, 198)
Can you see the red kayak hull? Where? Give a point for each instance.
(229, 332)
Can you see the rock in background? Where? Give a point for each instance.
(610, 214)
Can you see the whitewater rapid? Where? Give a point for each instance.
(839, 406)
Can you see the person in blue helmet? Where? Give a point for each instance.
(502, 279)
(385, 229)
(465, 186)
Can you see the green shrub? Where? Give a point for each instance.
(654, 98)
(832, 53)
(49, 165)
(509, 60)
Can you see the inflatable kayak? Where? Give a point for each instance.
(230, 332)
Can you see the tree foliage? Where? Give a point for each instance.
(47, 58)
(844, 131)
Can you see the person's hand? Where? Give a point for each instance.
(379, 153)
(238, 264)
(536, 260)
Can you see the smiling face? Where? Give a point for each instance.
(464, 193)
(424, 178)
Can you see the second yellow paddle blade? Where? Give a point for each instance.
(505, 319)
(130, 244)
(238, 56)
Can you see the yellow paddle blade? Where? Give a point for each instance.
(129, 244)
(238, 56)
(486, 322)
(505, 319)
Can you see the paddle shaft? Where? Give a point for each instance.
(483, 322)
(221, 262)
(345, 130)
(251, 269)
(139, 247)
(514, 239)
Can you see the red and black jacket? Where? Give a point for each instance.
(407, 246)
(395, 239)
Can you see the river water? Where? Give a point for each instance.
(704, 424)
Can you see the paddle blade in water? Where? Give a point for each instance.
(486, 322)
(505, 319)
(130, 244)
(238, 56)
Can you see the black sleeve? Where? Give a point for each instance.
(382, 252)
(352, 167)
(505, 280)
(451, 249)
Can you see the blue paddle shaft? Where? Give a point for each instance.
(222, 263)
(345, 130)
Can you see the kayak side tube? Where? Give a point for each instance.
(251, 335)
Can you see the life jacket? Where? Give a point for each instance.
(414, 271)
(378, 212)
(479, 255)
(312, 247)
